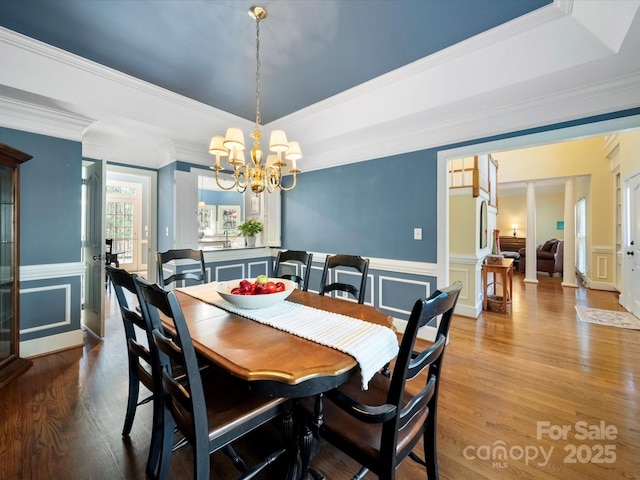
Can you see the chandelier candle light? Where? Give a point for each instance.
(256, 175)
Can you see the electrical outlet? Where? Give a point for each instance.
(417, 234)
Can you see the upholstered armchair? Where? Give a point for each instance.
(549, 257)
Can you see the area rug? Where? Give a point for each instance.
(608, 317)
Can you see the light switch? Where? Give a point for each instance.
(417, 234)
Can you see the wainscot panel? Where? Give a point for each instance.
(50, 301)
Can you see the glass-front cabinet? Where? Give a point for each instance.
(11, 364)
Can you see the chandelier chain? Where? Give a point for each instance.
(258, 119)
(258, 176)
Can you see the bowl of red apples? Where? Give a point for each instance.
(259, 293)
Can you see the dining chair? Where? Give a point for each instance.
(381, 426)
(139, 356)
(197, 256)
(348, 261)
(210, 414)
(302, 261)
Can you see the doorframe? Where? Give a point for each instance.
(626, 295)
(525, 140)
(150, 202)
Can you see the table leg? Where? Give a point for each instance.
(504, 291)
(484, 287)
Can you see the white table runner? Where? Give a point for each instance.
(371, 345)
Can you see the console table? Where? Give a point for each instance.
(505, 270)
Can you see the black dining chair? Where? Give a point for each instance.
(197, 275)
(110, 258)
(298, 259)
(139, 356)
(381, 426)
(361, 265)
(210, 414)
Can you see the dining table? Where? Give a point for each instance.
(271, 361)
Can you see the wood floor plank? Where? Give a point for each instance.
(502, 375)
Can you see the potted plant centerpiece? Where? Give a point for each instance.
(249, 230)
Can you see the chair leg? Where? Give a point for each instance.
(132, 403)
(430, 449)
(155, 447)
(361, 473)
(167, 445)
(237, 460)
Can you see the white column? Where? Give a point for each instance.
(569, 259)
(531, 261)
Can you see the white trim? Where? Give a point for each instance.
(607, 286)
(227, 267)
(381, 278)
(67, 306)
(42, 120)
(52, 270)
(386, 264)
(251, 265)
(51, 343)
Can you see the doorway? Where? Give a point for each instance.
(131, 216)
(470, 298)
(123, 222)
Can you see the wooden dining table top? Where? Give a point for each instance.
(273, 361)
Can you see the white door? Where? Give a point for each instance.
(93, 248)
(631, 246)
(124, 221)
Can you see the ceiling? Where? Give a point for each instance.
(146, 82)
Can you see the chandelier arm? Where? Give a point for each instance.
(218, 180)
(293, 185)
(272, 173)
(242, 172)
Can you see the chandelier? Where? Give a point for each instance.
(256, 175)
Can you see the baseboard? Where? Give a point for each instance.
(425, 333)
(468, 310)
(602, 286)
(51, 343)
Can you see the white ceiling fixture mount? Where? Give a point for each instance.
(256, 175)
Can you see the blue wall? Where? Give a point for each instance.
(50, 198)
(50, 224)
(368, 209)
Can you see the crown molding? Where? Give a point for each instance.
(63, 57)
(32, 118)
(581, 102)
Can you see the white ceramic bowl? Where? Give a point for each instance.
(254, 301)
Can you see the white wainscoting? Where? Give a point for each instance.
(61, 341)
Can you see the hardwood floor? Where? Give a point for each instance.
(504, 377)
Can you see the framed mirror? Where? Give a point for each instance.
(483, 224)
